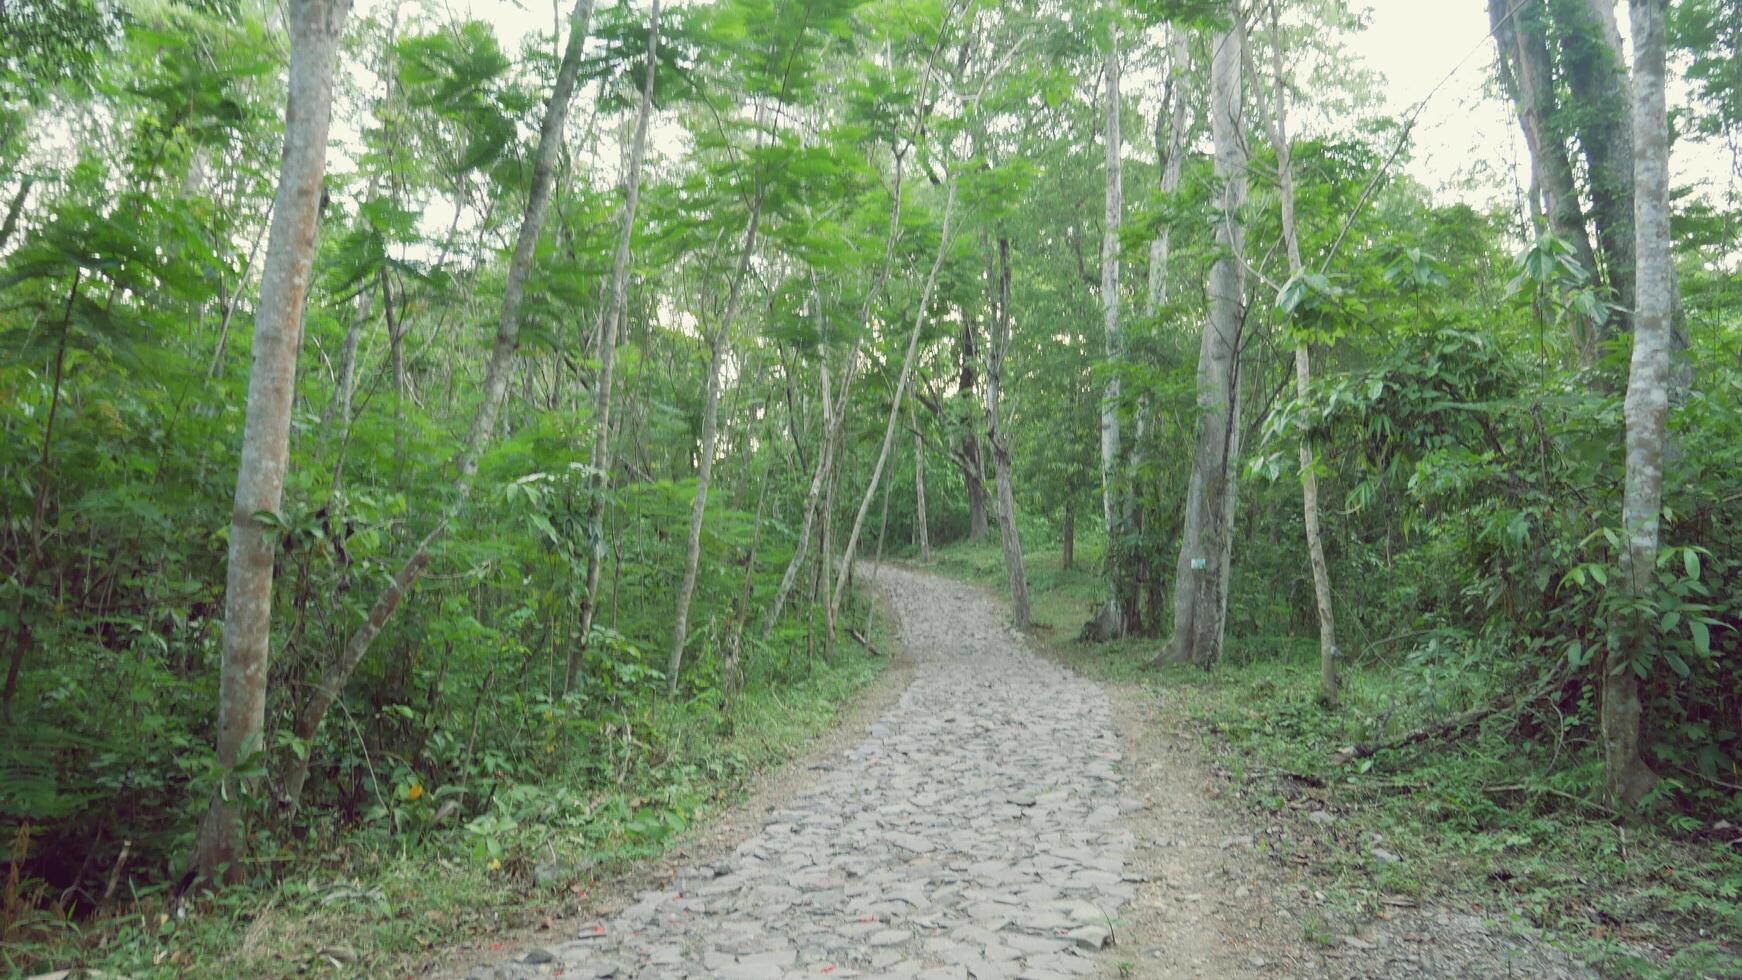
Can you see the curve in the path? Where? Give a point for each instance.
(977, 831)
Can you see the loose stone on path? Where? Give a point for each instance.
(976, 832)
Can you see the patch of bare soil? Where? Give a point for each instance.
(1207, 907)
(1221, 900)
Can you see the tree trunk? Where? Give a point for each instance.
(507, 343)
(345, 385)
(1136, 578)
(1597, 77)
(921, 524)
(1171, 149)
(731, 650)
(1309, 480)
(967, 385)
(1520, 35)
(820, 591)
(217, 367)
(813, 500)
(835, 421)
(605, 338)
(1201, 576)
(976, 487)
(1626, 776)
(496, 378)
(1112, 513)
(877, 563)
(315, 26)
(396, 358)
(1068, 556)
(710, 414)
(14, 209)
(925, 295)
(1613, 187)
(698, 508)
(995, 436)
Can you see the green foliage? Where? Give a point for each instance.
(1708, 31)
(1492, 819)
(1470, 465)
(52, 44)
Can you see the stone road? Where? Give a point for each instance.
(977, 831)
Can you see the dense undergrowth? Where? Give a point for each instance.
(409, 882)
(1503, 821)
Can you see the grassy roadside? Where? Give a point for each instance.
(396, 904)
(1504, 828)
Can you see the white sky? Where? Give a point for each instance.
(1462, 133)
(1466, 142)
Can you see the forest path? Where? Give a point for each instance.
(978, 830)
(1004, 818)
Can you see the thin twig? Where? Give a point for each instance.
(1582, 801)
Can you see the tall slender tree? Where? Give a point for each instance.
(921, 523)
(821, 495)
(967, 390)
(1626, 776)
(605, 380)
(1170, 152)
(1112, 511)
(497, 374)
(900, 392)
(1596, 74)
(1009, 537)
(1200, 594)
(1520, 29)
(315, 27)
(1277, 122)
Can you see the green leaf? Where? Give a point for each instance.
(1702, 637)
(1677, 664)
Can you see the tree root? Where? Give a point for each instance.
(1103, 628)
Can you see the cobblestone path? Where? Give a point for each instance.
(977, 831)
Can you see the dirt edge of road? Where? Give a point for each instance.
(1217, 899)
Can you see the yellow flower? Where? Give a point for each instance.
(495, 864)
(413, 791)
